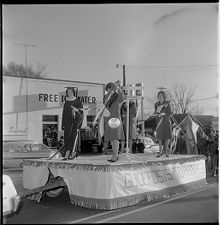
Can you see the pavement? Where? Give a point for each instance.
(210, 178)
(195, 207)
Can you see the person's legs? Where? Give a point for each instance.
(66, 149)
(214, 164)
(206, 165)
(160, 148)
(115, 147)
(166, 142)
(105, 146)
(122, 146)
(67, 154)
(209, 162)
(130, 145)
(73, 153)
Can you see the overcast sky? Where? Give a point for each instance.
(85, 42)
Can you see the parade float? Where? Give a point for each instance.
(95, 183)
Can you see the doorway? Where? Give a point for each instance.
(50, 130)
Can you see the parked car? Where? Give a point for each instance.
(15, 151)
(150, 145)
(10, 199)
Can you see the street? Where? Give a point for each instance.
(184, 209)
(199, 206)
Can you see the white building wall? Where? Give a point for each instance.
(22, 121)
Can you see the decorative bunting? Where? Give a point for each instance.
(112, 167)
(139, 179)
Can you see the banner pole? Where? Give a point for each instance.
(127, 125)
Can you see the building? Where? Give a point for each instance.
(32, 107)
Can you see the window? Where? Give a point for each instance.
(50, 130)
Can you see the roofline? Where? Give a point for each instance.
(50, 79)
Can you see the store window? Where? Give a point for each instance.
(50, 130)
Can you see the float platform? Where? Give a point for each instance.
(95, 183)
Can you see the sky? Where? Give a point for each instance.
(160, 44)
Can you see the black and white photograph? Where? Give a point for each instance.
(110, 113)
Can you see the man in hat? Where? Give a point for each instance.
(72, 118)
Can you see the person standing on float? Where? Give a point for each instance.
(114, 107)
(164, 127)
(132, 121)
(72, 118)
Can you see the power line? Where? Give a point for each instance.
(170, 67)
(201, 99)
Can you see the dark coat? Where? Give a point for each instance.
(71, 124)
(114, 108)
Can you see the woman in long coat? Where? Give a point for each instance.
(114, 107)
(72, 118)
(164, 128)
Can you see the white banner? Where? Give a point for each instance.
(108, 182)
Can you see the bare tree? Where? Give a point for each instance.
(13, 69)
(181, 100)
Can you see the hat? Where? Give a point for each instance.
(162, 92)
(74, 89)
(109, 85)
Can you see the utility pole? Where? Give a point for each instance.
(123, 69)
(26, 71)
(124, 77)
(26, 46)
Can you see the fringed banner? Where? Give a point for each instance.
(110, 186)
(119, 166)
(121, 202)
